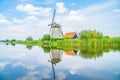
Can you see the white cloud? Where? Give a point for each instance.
(3, 20)
(27, 20)
(60, 76)
(3, 65)
(97, 9)
(36, 75)
(30, 25)
(116, 10)
(60, 7)
(76, 68)
(32, 10)
(75, 16)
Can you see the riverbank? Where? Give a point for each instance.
(66, 44)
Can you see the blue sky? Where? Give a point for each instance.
(22, 18)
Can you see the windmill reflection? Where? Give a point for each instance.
(55, 57)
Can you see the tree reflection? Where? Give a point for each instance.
(89, 52)
(29, 47)
(46, 49)
(13, 44)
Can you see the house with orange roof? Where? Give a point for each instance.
(71, 35)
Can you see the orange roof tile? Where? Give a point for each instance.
(69, 35)
(71, 53)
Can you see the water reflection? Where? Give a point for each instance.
(55, 57)
(29, 47)
(71, 53)
(86, 52)
(83, 63)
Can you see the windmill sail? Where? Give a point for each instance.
(52, 20)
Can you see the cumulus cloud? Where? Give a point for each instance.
(30, 25)
(75, 16)
(60, 7)
(116, 10)
(3, 20)
(27, 20)
(32, 10)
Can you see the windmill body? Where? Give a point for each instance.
(56, 31)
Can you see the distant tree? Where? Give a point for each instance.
(89, 34)
(46, 37)
(29, 38)
(13, 40)
(6, 40)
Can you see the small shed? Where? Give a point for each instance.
(71, 35)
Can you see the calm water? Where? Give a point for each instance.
(21, 63)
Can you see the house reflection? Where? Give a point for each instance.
(71, 53)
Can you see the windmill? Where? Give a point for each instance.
(55, 32)
(55, 29)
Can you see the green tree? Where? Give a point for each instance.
(46, 37)
(6, 40)
(13, 40)
(29, 38)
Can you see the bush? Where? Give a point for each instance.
(46, 37)
(89, 34)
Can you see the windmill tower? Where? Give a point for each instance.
(55, 29)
